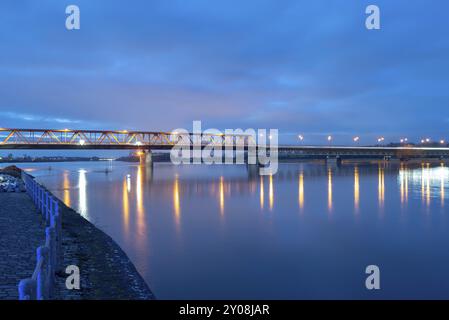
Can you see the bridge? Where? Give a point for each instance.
(148, 140)
(103, 139)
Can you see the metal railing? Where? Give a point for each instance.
(41, 284)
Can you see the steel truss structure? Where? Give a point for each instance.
(109, 139)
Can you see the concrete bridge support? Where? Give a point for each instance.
(146, 159)
(253, 170)
(333, 161)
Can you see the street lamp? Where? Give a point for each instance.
(356, 139)
(82, 142)
(301, 137)
(329, 138)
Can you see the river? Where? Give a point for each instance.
(218, 232)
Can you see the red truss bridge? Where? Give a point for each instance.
(108, 139)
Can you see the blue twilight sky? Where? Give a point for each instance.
(303, 67)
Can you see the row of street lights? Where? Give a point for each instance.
(329, 139)
(379, 140)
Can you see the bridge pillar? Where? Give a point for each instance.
(253, 170)
(333, 161)
(146, 159)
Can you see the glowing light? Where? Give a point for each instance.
(428, 185)
(442, 141)
(222, 196)
(356, 139)
(271, 193)
(381, 187)
(66, 187)
(356, 189)
(301, 137)
(82, 142)
(138, 143)
(329, 138)
(380, 139)
(128, 182)
(423, 193)
(329, 189)
(402, 178)
(125, 203)
(301, 191)
(82, 189)
(176, 201)
(427, 140)
(427, 181)
(261, 191)
(139, 200)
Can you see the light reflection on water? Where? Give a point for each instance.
(82, 190)
(356, 190)
(428, 182)
(329, 189)
(381, 187)
(221, 232)
(300, 191)
(125, 201)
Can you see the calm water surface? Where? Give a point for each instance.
(218, 232)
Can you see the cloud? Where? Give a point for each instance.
(298, 66)
(35, 120)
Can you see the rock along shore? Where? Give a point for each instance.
(106, 273)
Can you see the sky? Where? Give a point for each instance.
(302, 67)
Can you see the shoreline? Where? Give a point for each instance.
(106, 271)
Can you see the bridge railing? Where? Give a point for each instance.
(40, 285)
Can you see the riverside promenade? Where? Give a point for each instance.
(105, 270)
(21, 232)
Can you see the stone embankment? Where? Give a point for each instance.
(105, 270)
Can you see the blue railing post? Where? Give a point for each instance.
(42, 202)
(42, 273)
(40, 285)
(47, 210)
(50, 242)
(27, 289)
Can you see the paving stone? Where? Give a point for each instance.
(21, 232)
(106, 271)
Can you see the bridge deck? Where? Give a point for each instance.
(126, 140)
